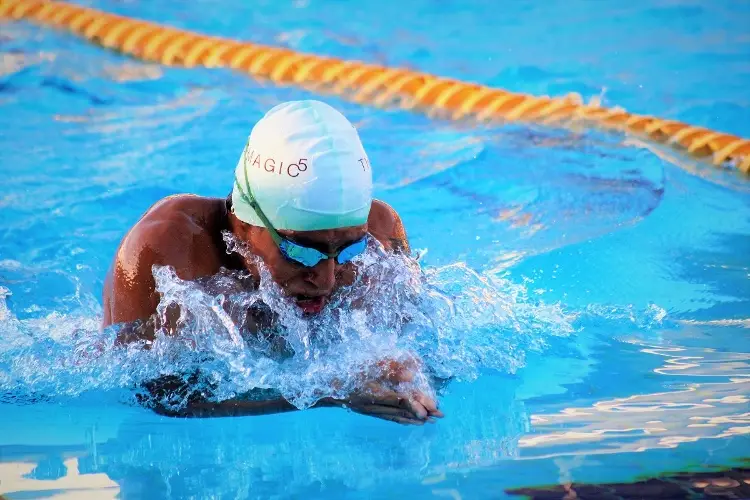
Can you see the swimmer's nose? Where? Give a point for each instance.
(323, 276)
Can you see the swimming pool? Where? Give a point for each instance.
(614, 284)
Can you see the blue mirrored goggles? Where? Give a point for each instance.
(310, 257)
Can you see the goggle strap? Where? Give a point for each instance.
(250, 200)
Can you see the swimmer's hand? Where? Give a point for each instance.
(385, 398)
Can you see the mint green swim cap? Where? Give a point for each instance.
(307, 169)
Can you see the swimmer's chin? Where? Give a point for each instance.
(310, 305)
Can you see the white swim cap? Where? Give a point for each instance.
(306, 168)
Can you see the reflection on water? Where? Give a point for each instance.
(57, 478)
(181, 110)
(702, 410)
(743, 323)
(642, 422)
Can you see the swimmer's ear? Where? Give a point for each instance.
(253, 232)
(243, 231)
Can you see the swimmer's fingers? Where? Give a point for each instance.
(384, 397)
(429, 404)
(410, 403)
(421, 405)
(402, 421)
(417, 408)
(392, 414)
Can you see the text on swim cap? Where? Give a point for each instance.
(270, 166)
(292, 169)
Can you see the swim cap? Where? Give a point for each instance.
(306, 168)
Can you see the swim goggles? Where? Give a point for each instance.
(308, 257)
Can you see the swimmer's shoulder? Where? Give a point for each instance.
(185, 209)
(385, 224)
(178, 231)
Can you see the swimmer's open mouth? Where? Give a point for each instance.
(310, 305)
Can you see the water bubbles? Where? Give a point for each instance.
(454, 321)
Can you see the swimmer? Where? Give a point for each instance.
(302, 202)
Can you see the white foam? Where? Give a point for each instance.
(457, 321)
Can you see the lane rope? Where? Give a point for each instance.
(371, 84)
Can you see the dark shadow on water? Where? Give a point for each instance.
(730, 483)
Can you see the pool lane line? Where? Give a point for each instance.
(372, 84)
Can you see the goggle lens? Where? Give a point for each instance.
(310, 257)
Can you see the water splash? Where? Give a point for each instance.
(456, 321)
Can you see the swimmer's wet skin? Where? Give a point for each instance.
(302, 203)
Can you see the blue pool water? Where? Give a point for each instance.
(601, 293)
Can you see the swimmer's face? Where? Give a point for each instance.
(309, 287)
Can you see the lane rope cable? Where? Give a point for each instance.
(371, 84)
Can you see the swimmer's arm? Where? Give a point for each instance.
(230, 408)
(131, 301)
(195, 402)
(164, 236)
(235, 408)
(392, 407)
(383, 404)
